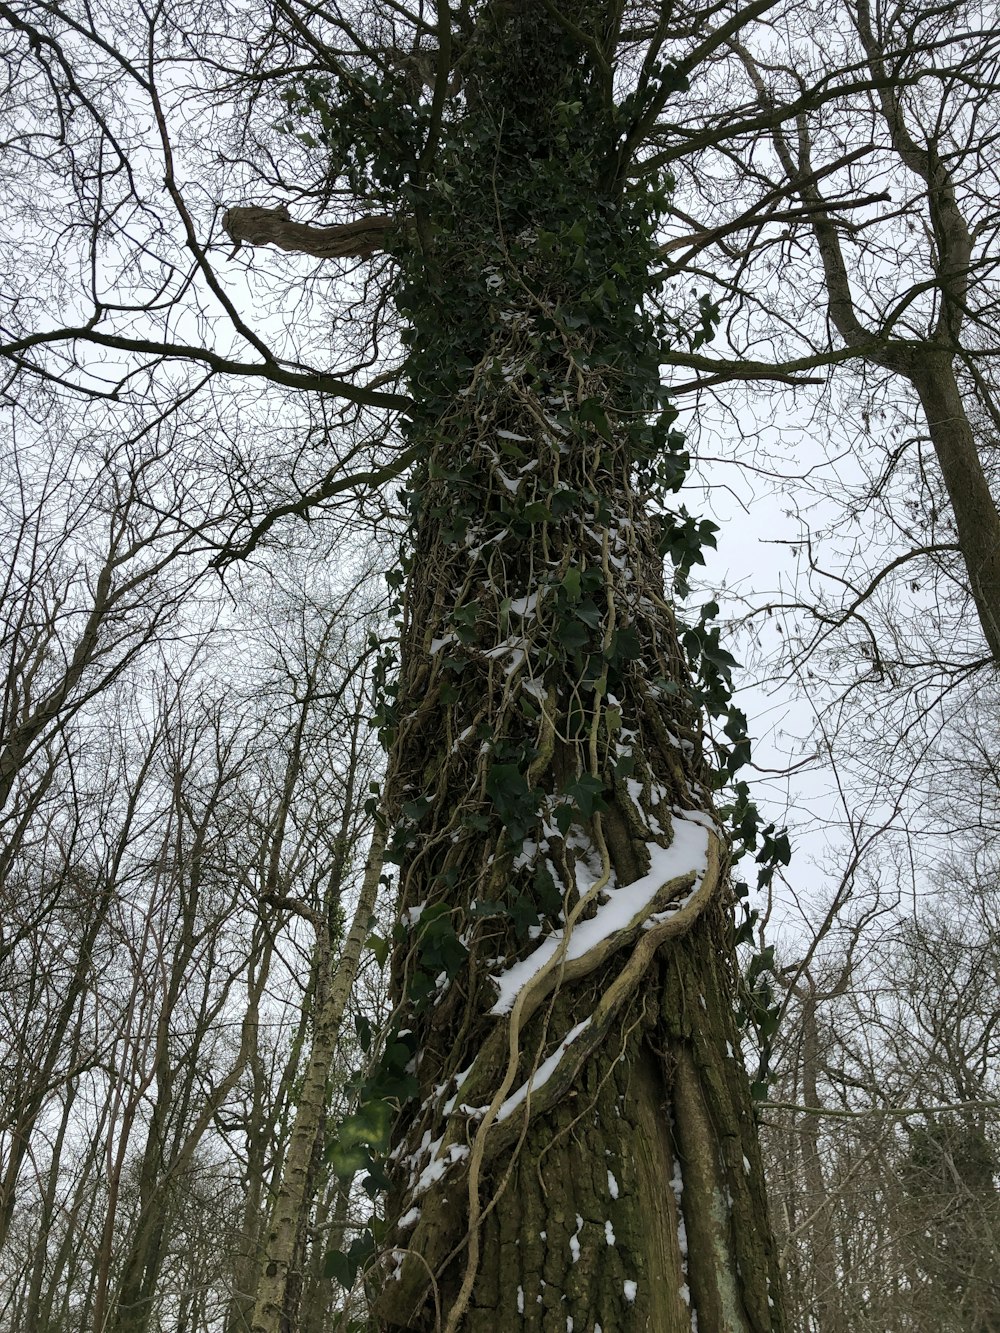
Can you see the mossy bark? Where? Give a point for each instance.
(582, 1155)
(637, 1177)
(637, 1201)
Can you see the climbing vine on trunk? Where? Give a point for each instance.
(561, 868)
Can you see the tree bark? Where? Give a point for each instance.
(254, 225)
(581, 1153)
(976, 518)
(293, 1194)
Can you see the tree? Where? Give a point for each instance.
(860, 236)
(154, 967)
(881, 1138)
(549, 796)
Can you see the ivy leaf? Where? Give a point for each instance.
(588, 613)
(338, 1266)
(546, 892)
(363, 1028)
(524, 914)
(515, 802)
(564, 818)
(592, 409)
(346, 1160)
(486, 907)
(571, 583)
(565, 502)
(586, 792)
(571, 635)
(625, 645)
(343, 1268)
(357, 1135)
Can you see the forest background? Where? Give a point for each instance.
(203, 490)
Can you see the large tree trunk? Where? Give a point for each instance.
(579, 1152)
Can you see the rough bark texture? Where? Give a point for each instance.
(255, 225)
(976, 518)
(545, 751)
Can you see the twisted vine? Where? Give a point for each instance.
(545, 725)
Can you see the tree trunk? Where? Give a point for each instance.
(295, 1195)
(574, 1145)
(822, 1237)
(976, 518)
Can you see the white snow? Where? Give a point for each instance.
(688, 853)
(409, 1219)
(612, 1185)
(574, 1240)
(609, 1233)
(677, 1188)
(510, 647)
(542, 1074)
(697, 817)
(630, 1289)
(677, 1181)
(437, 1166)
(520, 1301)
(524, 606)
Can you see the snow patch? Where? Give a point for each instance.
(612, 1185)
(609, 1233)
(542, 1074)
(687, 854)
(524, 606)
(437, 1166)
(630, 1290)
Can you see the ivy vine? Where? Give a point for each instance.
(542, 693)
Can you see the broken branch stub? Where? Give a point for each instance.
(254, 225)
